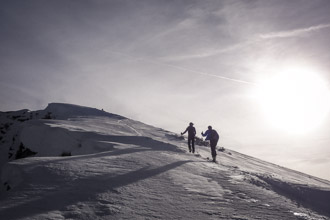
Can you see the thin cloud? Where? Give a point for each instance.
(200, 73)
(209, 53)
(235, 47)
(156, 62)
(294, 33)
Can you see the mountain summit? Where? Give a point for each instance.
(75, 162)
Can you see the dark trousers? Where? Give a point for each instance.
(191, 144)
(213, 144)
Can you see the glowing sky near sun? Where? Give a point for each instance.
(296, 100)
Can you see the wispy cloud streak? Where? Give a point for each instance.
(183, 68)
(257, 39)
(203, 73)
(209, 53)
(294, 33)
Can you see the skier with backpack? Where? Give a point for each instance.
(213, 136)
(191, 137)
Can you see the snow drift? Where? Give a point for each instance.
(75, 162)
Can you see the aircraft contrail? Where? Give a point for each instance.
(188, 70)
(204, 73)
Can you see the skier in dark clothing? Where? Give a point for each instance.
(191, 137)
(213, 136)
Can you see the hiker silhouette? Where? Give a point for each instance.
(213, 136)
(191, 136)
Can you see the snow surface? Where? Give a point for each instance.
(123, 169)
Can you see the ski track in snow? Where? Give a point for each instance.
(121, 122)
(123, 169)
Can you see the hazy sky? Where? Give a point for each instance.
(169, 62)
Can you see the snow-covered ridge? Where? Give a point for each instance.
(18, 128)
(84, 163)
(63, 111)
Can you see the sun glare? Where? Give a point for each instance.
(295, 101)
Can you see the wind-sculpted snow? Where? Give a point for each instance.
(314, 198)
(117, 168)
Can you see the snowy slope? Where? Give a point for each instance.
(89, 164)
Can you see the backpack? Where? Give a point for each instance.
(214, 135)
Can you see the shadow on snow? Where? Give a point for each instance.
(81, 190)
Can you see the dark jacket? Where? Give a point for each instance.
(191, 131)
(211, 135)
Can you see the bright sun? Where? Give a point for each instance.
(295, 100)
